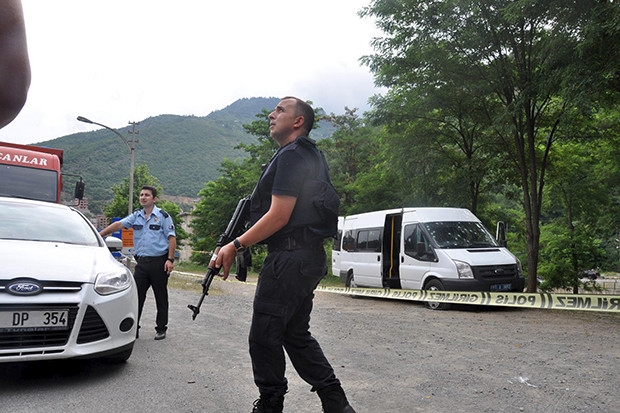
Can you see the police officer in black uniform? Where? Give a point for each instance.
(294, 266)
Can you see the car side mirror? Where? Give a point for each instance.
(114, 244)
(500, 234)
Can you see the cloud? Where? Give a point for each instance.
(126, 60)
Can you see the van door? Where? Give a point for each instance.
(416, 257)
(391, 250)
(363, 258)
(336, 246)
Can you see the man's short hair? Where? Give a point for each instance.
(150, 188)
(303, 109)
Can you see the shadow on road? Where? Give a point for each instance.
(56, 373)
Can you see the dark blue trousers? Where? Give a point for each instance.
(281, 322)
(152, 274)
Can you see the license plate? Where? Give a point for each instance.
(500, 287)
(34, 320)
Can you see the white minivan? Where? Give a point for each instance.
(423, 248)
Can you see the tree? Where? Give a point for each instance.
(219, 198)
(120, 203)
(574, 198)
(349, 151)
(519, 61)
(141, 177)
(564, 249)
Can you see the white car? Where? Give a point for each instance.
(62, 293)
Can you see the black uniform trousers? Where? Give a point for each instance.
(150, 272)
(281, 321)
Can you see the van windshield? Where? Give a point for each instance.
(460, 234)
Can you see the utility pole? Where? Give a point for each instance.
(132, 148)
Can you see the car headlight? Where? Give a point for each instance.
(464, 269)
(519, 268)
(112, 282)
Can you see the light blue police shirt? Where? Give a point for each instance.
(150, 238)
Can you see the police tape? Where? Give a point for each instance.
(548, 301)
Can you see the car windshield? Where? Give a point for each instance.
(462, 234)
(37, 222)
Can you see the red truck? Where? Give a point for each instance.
(33, 172)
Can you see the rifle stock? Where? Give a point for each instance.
(235, 227)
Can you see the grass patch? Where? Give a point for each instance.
(187, 266)
(185, 282)
(331, 281)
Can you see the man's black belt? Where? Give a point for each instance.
(290, 244)
(143, 259)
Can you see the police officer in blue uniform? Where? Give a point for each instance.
(154, 244)
(295, 264)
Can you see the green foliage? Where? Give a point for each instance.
(175, 212)
(564, 252)
(508, 108)
(212, 213)
(219, 198)
(119, 205)
(495, 82)
(350, 151)
(183, 152)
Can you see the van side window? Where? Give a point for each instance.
(416, 244)
(336, 242)
(348, 242)
(368, 240)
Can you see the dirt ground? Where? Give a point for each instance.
(392, 356)
(399, 356)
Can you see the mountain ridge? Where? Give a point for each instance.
(182, 151)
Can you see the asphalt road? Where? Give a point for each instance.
(392, 356)
(202, 366)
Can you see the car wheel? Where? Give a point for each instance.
(435, 285)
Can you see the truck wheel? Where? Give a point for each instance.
(435, 285)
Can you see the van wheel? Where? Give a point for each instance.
(351, 283)
(435, 285)
(350, 280)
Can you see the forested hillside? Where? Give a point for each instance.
(507, 108)
(183, 152)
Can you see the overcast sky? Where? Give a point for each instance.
(117, 61)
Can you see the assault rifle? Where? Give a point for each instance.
(236, 226)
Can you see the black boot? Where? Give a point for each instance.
(273, 404)
(334, 400)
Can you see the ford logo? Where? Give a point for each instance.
(499, 271)
(24, 287)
